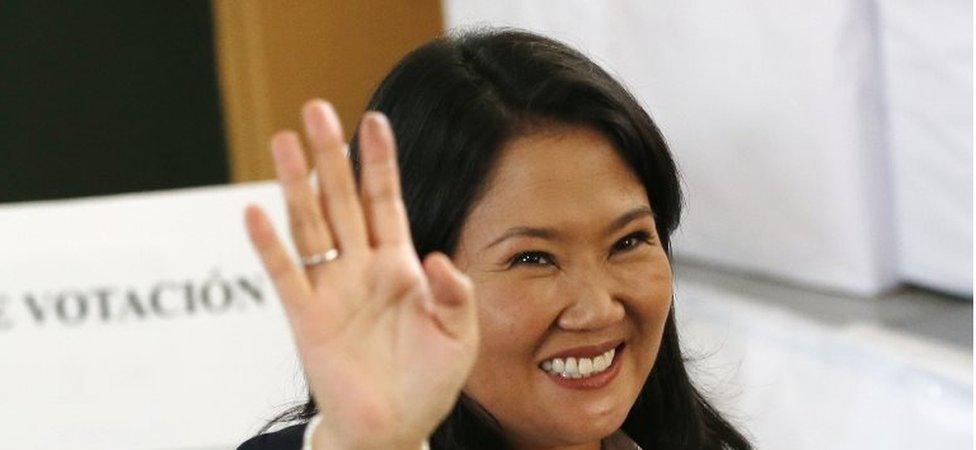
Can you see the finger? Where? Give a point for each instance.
(337, 186)
(288, 280)
(380, 179)
(308, 228)
(453, 292)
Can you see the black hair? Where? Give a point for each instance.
(453, 104)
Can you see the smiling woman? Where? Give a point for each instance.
(553, 196)
(586, 282)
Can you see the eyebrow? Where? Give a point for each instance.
(550, 233)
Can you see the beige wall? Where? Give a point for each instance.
(274, 55)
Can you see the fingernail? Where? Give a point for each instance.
(382, 125)
(367, 138)
(329, 112)
(380, 118)
(313, 116)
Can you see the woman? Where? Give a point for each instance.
(540, 198)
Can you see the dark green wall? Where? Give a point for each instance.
(100, 97)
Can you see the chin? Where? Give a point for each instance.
(595, 424)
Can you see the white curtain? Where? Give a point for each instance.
(823, 143)
(928, 68)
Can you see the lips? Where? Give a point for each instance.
(586, 351)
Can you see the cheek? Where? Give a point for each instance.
(513, 318)
(649, 291)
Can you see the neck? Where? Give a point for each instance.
(586, 446)
(616, 441)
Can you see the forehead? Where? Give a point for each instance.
(559, 173)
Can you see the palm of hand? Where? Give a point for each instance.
(365, 345)
(386, 343)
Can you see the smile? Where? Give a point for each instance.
(584, 373)
(579, 367)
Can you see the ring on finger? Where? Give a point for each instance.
(329, 255)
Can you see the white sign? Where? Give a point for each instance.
(140, 321)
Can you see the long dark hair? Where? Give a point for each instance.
(453, 103)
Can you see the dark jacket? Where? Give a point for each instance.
(288, 438)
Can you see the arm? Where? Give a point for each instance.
(312, 425)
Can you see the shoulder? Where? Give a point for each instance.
(288, 438)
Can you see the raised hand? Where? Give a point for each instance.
(386, 342)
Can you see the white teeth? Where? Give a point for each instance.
(598, 363)
(585, 366)
(558, 365)
(581, 367)
(571, 366)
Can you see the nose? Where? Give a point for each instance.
(594, 304)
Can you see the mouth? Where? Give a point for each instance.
(584, 373)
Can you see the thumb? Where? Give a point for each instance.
(454, 303)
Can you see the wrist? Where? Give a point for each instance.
(317, 438)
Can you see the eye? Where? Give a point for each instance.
(632, 241)
(533, 258)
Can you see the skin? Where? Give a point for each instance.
(588, 287)
(469, 323)
(358, 320)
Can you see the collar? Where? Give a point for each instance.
(619, 441)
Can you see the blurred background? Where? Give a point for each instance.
(824, 265)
